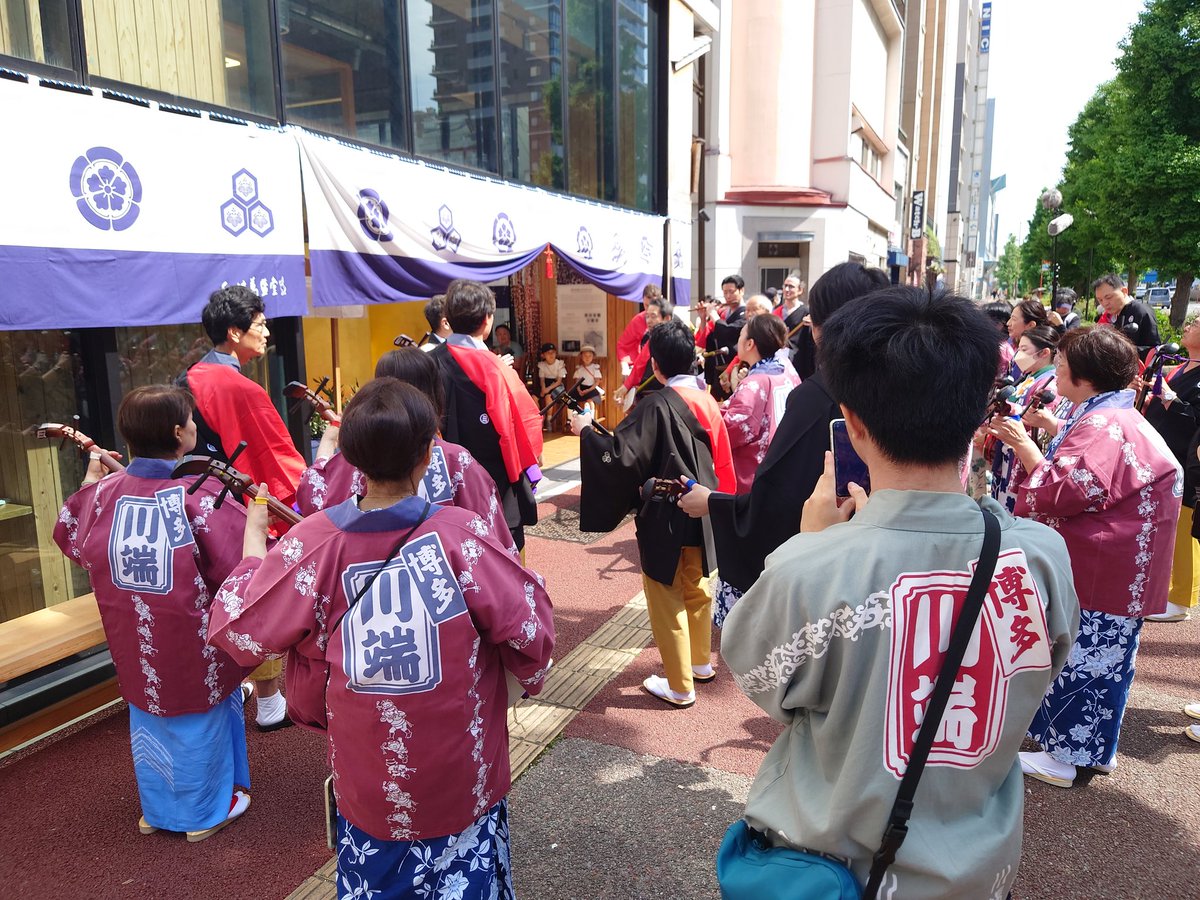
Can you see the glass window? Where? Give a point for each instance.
(36, 31)
(452, 65)
(531, 110)
(342, 70)
(591, 148)
(214, 51)
(41, 380)
(637, 44)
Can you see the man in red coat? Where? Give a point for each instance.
(233, 408)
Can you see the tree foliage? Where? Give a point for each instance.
(1132, 177)
(1008, 267)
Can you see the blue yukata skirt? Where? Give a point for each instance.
(1079, 720)
(187, 766)
(724, 597)
(470, 865)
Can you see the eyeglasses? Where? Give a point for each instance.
(260, 324)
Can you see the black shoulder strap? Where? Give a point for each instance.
(383, 565)
(897, 826)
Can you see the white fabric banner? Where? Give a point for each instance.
(385, 228)
(120, 214)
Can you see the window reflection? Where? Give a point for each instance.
(591, 153)
(41, 380)
(531, 111)
(214, 51)
(452, 68)
(637, 36)
(38, 32)
(342, 69)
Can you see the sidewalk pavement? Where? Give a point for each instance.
(617, 796)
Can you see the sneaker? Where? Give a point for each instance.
(657, 686)
(238, 805)
(1045, 767)
(1192, 710)
(1192, 733)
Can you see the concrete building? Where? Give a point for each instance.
(803, 166)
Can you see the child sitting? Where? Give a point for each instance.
(552, 371)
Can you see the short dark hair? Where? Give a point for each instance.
(147, 418)
(999, 311)
(1033, 311)
(768, 333)
(736, 280)
(234, 306)
(468, 304)
(387, 428)
(1065, 297)
(673, 347)
(1044, 337)
(1103, 357)
(414, 366)
(1112, 279)
(839, 286)
(435, 311)
(917, 367)
(665, 306)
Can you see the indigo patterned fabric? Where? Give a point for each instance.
(470, 865)
(724, 597)
(1080, 716)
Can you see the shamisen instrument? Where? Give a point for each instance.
(295, 390)
(53, 431)
(1152, 378)
(234, 482)
(561, 395)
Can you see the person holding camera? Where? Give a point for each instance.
(844, 635)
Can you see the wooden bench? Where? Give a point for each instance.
(48, 635)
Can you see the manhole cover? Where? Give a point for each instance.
(563, 525)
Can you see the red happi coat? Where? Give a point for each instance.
(453, 478)
(1112, 489)
(411, 683)
(154, 597)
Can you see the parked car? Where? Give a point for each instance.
(1159, 296)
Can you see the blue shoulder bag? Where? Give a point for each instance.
(750, 868)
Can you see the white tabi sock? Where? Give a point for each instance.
(271, 709)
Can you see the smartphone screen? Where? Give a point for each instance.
(847, 464)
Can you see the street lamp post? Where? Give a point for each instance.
(1057, 227)
(1051, 201)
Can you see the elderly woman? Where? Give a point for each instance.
(1110, 486)
(757, 405)
(1174, 413)
(157, 555)
(453, 478)
(1035, 360)
(400, 619)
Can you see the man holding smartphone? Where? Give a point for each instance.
(845, 632)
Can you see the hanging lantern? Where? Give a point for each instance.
(549, 263)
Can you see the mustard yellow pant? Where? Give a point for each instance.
(1185, 564)
(272, 668)
(681, 620)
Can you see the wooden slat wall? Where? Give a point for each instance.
(21, 34)
(167, 45)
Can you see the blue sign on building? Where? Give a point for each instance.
(985, 29)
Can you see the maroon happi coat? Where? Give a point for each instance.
(411, 682)
(453, 478)
(156, 556)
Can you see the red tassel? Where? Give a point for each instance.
(549, 264)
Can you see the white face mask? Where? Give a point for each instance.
(1027, 362)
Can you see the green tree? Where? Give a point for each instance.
(1008, 267)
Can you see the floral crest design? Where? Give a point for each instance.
(106, 189)
(373, 215)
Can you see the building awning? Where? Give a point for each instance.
(121, 213)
